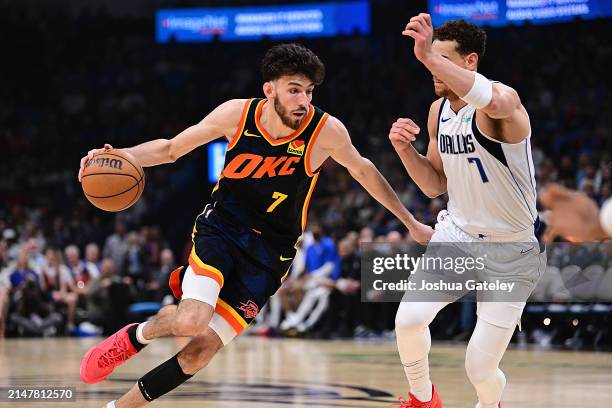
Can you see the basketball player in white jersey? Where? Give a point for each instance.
(479, 153)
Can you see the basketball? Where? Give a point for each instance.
(112, 181)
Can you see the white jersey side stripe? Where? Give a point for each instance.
(495, 149)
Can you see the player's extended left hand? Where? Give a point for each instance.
(420, 28)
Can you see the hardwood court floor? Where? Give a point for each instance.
(258, 373)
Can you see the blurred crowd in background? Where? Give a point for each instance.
(78, 80)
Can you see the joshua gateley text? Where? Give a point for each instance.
(470, 284)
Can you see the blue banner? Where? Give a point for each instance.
(254, 23)
(216, 160)
(504, 12)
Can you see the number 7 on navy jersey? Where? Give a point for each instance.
(481, 169)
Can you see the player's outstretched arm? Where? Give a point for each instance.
(335, 140)
(496, 100)
(222, 121)
(575, 216)
(426, 171)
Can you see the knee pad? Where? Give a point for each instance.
(416, 316)
(479, 365)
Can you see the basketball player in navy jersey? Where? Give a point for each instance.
(479, 153)
(244, 239)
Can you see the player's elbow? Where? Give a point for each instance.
(503, 104)
(434, 192)
(360, 171)
(435, 189)
(171, 153)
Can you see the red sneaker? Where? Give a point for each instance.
(413, 402)
(100, 361)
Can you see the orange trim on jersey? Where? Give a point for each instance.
(231, 316)
(268, 137)
(241, 123)
(203, 269)
(313, 139)
(307, 201)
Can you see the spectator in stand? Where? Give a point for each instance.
(5, 285)
(322, 265)
(59, 286)
(116, 245)
(22, 271)
(92, 259)
(344, 313)
(109, 298)
(158, 284)
(134, 260)
(32, 313)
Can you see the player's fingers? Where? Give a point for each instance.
(410, 33)
(80, 176)
(408, 121)
(411, 123)
(407, 126)
(403, 135)
(426, 18)
(414, 25)
(396, 137)
(421, 24)
(107, 146)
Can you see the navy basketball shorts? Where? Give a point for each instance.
(247, 269)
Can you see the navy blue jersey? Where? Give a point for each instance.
(266, 183)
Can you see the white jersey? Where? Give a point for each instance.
(491, 185)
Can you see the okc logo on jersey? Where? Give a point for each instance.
(456, 144)
(296, 147)
(250, 309)
(255, 166)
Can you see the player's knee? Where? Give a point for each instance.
(166, 311)
(198, 354)
(409, 320)
(186, 325)
(479, 366)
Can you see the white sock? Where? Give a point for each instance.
(111, 404)
(140, 336)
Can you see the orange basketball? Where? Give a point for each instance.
(112, 180)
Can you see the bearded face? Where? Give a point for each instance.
(291, 119)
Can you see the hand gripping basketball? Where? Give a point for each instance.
(111, 179)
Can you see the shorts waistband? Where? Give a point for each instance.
(534, 231)
(226, 217)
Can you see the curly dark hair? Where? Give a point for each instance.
(470, 38)
(292, 59)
